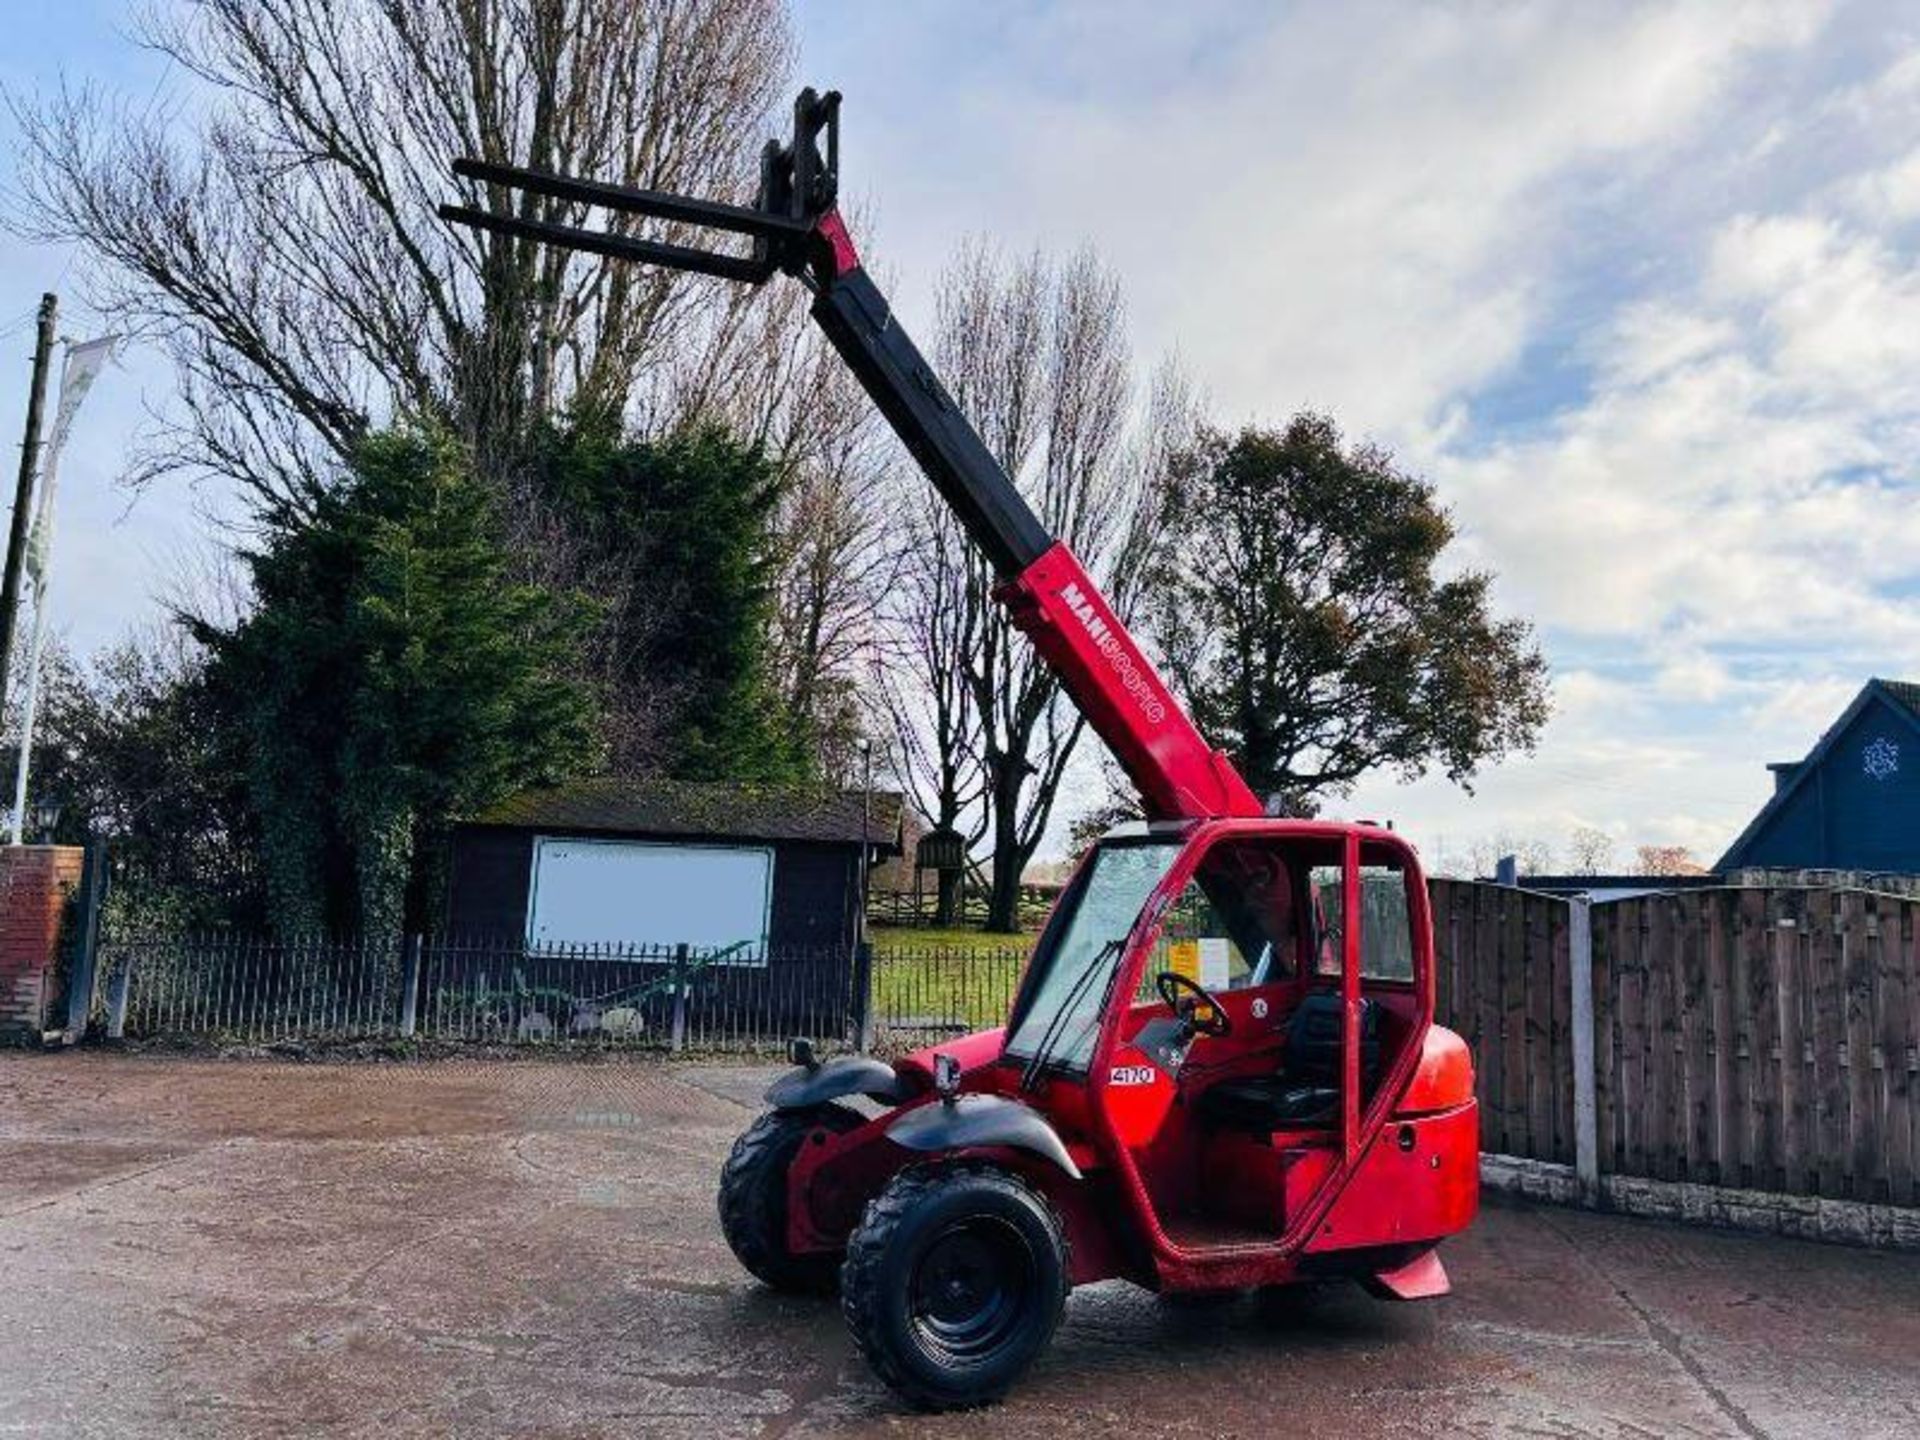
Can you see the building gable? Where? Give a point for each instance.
(1854, 802)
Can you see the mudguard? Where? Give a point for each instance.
(848, 1075)
(977, 1120)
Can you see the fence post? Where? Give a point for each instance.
(679, 1040)
(410, 988)
(117, 993)
(863, 996)
(1586, 1113)
(80, 982)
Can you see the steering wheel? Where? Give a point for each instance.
(1170, 984)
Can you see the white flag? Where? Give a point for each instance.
(83, 363)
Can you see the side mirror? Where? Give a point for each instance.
(946, 1077)
(800, 1052)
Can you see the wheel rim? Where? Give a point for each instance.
(971, 1289)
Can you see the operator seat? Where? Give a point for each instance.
(1306, 1091)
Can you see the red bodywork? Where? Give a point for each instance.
(1127, 704)
(1369, 1190)
(1369, 1195)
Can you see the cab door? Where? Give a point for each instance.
(1367, 924)
(1231, 922)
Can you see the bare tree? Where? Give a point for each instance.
(1481, 857)
(832, 566)
(280, 241)
(768, 374)
(1589, 851)
(1036, 354)
(931, 621)
(1160, 443)
(1668, 860)
(772, 377)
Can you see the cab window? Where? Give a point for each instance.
(1386, 933)
(1233, 924)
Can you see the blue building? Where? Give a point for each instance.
(1854, 802)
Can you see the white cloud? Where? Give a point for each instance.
(1743, 462)
(1631, 282)
(1693, 675)
(1798, 711)
(1636, 283)
(1888, 195)
(1328, 205)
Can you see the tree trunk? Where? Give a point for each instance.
(1009, 855)
(946, 903)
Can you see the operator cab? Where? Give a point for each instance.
(1195, 984)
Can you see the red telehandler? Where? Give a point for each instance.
(1221, 1069)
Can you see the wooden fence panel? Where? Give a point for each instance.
(1489, 1053)
(1766, 1039)
(1606, 1038)
(1726, 1135)
(1559, 933)
(1711, 1041)
(1790, 972)
(1513, 1018)
(1543, 1080)
(1501, 976)
(1660, 1131)
(1866, 1115)
(1630, 1020)
(1910, 961)
(1827, 1017)
(1894, 993)
(1745, 919)
(1764, 1010)
(1701, 1041)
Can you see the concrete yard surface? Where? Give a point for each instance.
(228, 1248)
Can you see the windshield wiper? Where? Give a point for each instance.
(1043, 1052)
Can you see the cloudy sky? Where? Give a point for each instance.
(1638, 286)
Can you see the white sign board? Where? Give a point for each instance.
(1216, 971)
(637, 893)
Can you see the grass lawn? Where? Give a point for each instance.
(968, 938)
(958, 978)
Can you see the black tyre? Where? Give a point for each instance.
(753, 1197)
(955, 1281)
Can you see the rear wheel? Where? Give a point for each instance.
(753, 1197)
(955, 1281)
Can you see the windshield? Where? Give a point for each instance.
(1075, 963)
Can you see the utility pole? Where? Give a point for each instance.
(23, 489)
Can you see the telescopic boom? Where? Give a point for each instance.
(796, 229)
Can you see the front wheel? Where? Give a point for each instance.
(753, 1197)
(954, 1282)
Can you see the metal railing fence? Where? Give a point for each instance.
(252, 989)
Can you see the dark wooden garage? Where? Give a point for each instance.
(603, 894)
(812, 841)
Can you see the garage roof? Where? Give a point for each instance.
(713, 811)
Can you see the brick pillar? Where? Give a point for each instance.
(35, 883)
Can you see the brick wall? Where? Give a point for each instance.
(35, 883)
